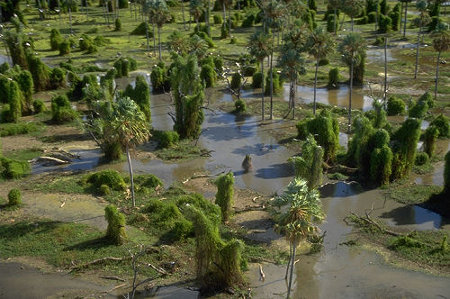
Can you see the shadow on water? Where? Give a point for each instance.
(283, 170)
(412, 214)
(167, 292)
(340, 189)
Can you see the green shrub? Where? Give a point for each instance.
(427, 98)
(140, 30)
(429, 140)
(84, 42)
(217, 19)
(441, 122)
(140, 94)
(116, 225)
(206, 38)
(208, 75)
(371, 17)
(218, 64)
(123, 4)
(55, 39)
(395, 17)
(418, 110)
(308, 166)
(13, 169)
(25, 81)
(15, 100)
(324, 61)
(249, 21)
(333, 77)
(257, 80)
(404, 241)
(12, 129)
(233, 40)
(236, 81)
(123, 65)
(421, 159)
(64, 47)
(104, 190)
(363, 20)
(395, 106)
(330, 23)
(110, 178)
(224, 33)
(447, 173)
(147, 183)
(385, 24)
(14, 197)
(58, 78)
(62, 110)
(277, 84)
(380, 165)
(166, 138)
(4, 89)
(240, 106)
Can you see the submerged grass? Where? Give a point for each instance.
(411, 193)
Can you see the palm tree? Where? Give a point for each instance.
(422, 8)
(260, 47)
(162, 15)
(129, 125)
(292, 64)
(320, 44)
(196, 10)
(441, 43)
(351, 48)
(406, 16)
(149, 10)
(273, 12)
(352, 8)
(301, 220)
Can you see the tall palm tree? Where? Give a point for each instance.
(273, 13)
(292, 64)
(422, 8)
(260, 47)
(406, 16)
(320, 44)
(441, 43)
(352, 8)
(162, 15)
(351, 48)
(301, 220)
(123, 123)
(149, 10)
(196, 10)
(335, 4)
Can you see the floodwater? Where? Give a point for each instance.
(87, 159)
(35, 284)
(341, 271)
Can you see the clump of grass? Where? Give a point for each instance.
(14, 198)
(11, 129)
(412, 194)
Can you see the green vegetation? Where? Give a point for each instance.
(165, 139)
(224, 195)
(11, 129)
(62, 111)
(13, 169)
(14, 197)
(309, 165)
(116, 225)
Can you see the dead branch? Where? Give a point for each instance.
(262, 276)
(157, 269)
(369, 221)
(250, 208)
(113, 278)
(115, 288)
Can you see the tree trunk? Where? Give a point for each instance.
(406, 17)
(154, 39)
(352, 23)
(376, 17)
(130, 169)
(289, 261)
(262, 86)
(224, 12)
(271, 83)
(315, 86)
(401, 13)
(159, 41)
(293, 98)
(184, 18)
(335, 21)
(208, 29)
(70, 20)
(292, 269)
(350, 99)
(146, 35)
(385, 72)
(229, 19)
(437, 75)
(107, 14)
(417, 51)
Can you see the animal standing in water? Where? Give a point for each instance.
(247, 163)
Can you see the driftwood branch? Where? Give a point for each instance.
(371, 222)
(113, 278)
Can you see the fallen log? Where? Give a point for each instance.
(50, 161)
(113, 278)
(262, 276)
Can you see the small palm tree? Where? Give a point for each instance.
(320, 44)
(352, 47)
(301, 220)
(422, 8)
(352, 8)
(162, 15)
(127, 124)
(292, 64)
(196, 10)
(260, 46)
(441, 43)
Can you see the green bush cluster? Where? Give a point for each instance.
(236, 81)
(240, 106)
(325, 129)
(14, 197)
(58, 78)
(124, 65)
(140, 94)
(208, 75)
(224, 195)
(385, 24)
(166, 138)
(333, 77)
(395, 16)
(62, 111)
(395, 106)
(217, 19)
(12, 129)
(420, 108)
(55, 39)
(117, 24)
(64, 47)
(429, 140)
(159, 78)
(110, 178)
(115, 231)
(141, 30)
(13, 169)
(421, 159)
(308, 166)
(147, 183)
(277, 84)
(12, 111)
(441, 122)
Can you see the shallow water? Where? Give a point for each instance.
(35, 284)
(88, 159)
